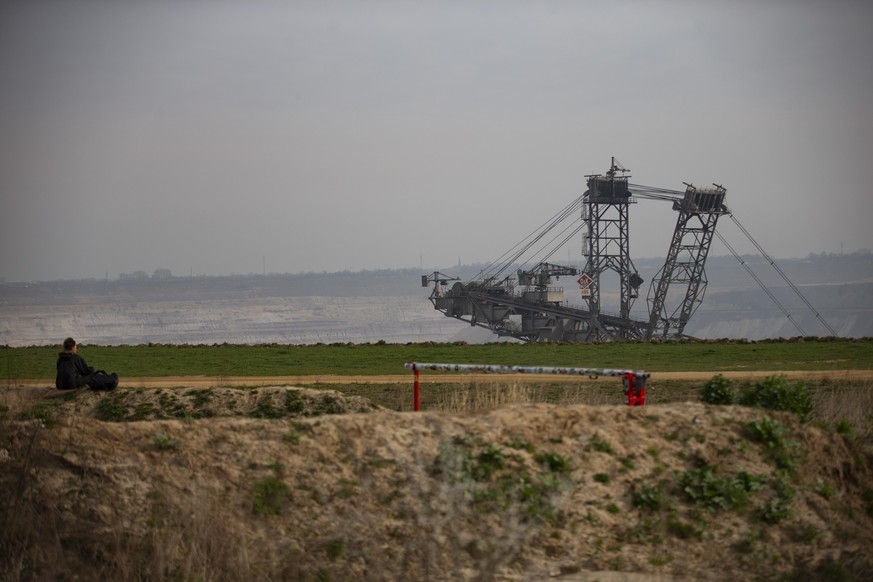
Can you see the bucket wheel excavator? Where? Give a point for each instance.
(528, 306)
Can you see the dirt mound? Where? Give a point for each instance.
(191, 403)
(679, 492)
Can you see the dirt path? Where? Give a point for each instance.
(431, 378)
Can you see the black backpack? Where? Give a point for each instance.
(100, 380)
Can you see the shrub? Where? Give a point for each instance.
(269, 495)
(270, 492)
(163, 441)
(705, 487)
(719, 390)
(769, 432)
(774, 393)
(111, 407)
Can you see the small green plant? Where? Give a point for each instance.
(803, 532)
(649, 497)
(379, 462)
(163, 441)
(535, 495)
(327, 405)
(682, 529)
(199, 398)
(772, 434)
(292, 436)
(488, 462)
(515, 443)
(553, 462)
(294, 403)
(269, 496)
(701, 485)
(627, 464)
(613, 508)
(660, 560)
(845, 428)
(777, 507)
(598, 444)
(348, 488)
(265, 409)
(774, 510)
(719, 390)
(43, 411)
(171, 406)
(601, 478)
(591, 518)
(745, 546)
(824, 489)
(335, 549)
(867, 498)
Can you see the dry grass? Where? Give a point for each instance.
(196, 544)
(479, 397)
(852, 403)
(833, 402)
(35, 543)
(482, 396)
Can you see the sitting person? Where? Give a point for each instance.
(74, 373)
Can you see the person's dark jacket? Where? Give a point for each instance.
(73, 372)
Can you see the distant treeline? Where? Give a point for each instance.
(723, 272)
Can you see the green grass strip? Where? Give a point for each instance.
(378, 359)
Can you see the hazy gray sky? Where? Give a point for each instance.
(206, 136)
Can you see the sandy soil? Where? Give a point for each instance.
(533, 492)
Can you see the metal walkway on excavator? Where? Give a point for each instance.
(556, 322)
